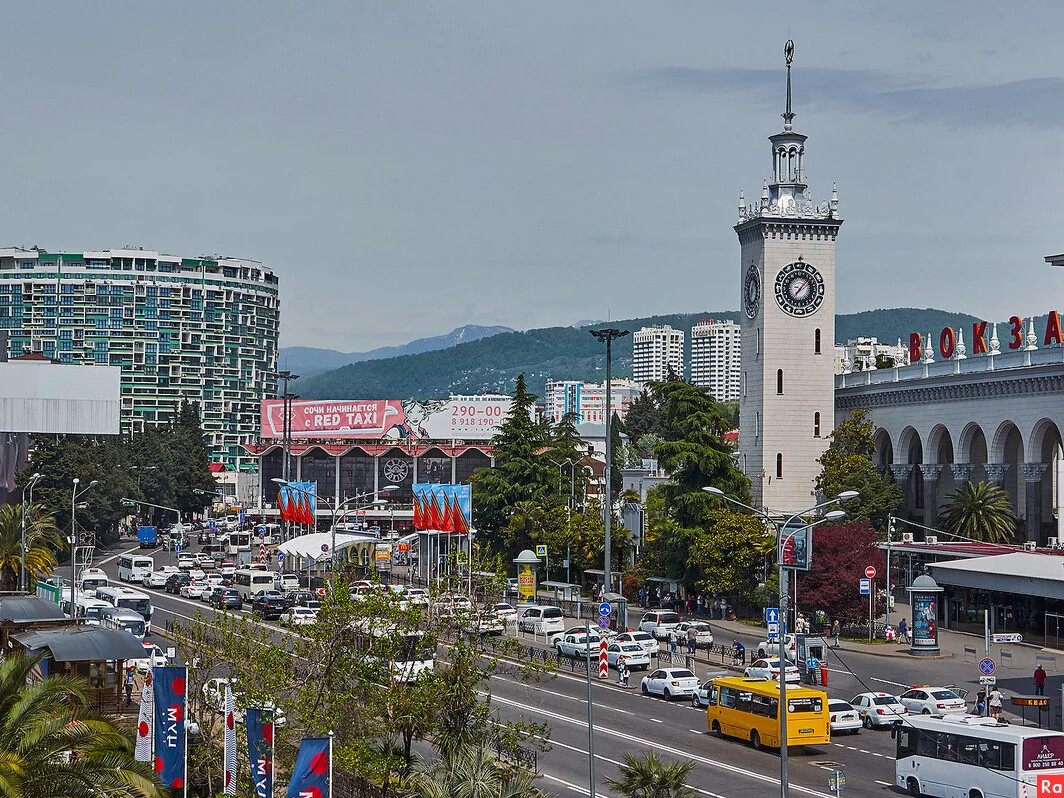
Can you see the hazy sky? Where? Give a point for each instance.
(410, 167)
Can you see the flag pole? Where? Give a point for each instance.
(184, 724)
(330, 764)
(273, 744)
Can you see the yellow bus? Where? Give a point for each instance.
(747, 709)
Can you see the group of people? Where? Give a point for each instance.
(689, 639)
(700, 605)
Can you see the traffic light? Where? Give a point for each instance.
(891, 526)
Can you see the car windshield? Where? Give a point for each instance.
(886, 700)
(700, 627)
(631, 647)
(839, 706)
(668, 617)
(682, 675)
(944, 694)
(552, 612)
(641, 636)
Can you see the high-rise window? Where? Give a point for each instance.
(779, 466)
(779, 380)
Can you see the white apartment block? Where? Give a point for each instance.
(588, 400)
(716, 357)
(655, 352)
(858, 354)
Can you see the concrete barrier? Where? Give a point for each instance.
(1006, 658)
(969, 653)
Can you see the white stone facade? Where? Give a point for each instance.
(716, 357)
(588, 400)
(655, 352)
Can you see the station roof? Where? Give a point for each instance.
(27, 609)
(82, 644)
(1024, 573)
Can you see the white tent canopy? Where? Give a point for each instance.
(309, 546)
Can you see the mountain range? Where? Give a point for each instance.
(307, 361)
(492, 362)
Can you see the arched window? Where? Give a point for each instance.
(779, 380)
(779, 466)
(816, 425)
(816, 341)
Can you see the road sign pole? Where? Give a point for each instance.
(871, 605)
(986, 632)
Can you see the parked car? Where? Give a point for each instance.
(579, 645)
(154, 658)
(227, 568)
(659, 622)
(703, 633)
(304, 598)
(507, 612)
(197, 574)
(670, 683)
(770, 669)
(286, 582)
(227, 599)
(635, 657)
(555, 638)
(175, 582)
(486, 623)
(649, 644)
(934, 700)
(193, 589)
(213, 579)
(541, 620)
(418, 595)
(298, 616)
(186, 561)
(844, 718)
(768, 648)
(268, 607)
(878, 709)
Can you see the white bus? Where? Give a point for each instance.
(250, 582)
(91, 579)
(973, 757)
(87, 609)
(238, 542)
(124, 620)
(134, 567)
(127, 598)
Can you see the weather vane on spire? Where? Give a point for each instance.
(788, 115)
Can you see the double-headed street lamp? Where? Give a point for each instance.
(781, 541)
(341, 505)
(25, 512)
(75, 494)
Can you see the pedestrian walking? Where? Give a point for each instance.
(996, 699)
(692, 639)
(836, 630)
(672, 641)
(620, 671)
(131, 682)
(812, 668)
(903, 630)
(1039, 680)
(698, 602)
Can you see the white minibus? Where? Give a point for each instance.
(124, 620)
(127, 598)
(249, 583)
(91, 579)
(134, 567)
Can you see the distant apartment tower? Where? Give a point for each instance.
(655, 352)
(202, 329)
(716, 357)
(588, 400)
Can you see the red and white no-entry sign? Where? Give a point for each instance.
(870, 571)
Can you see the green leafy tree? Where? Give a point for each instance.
(188, 460)
(566, 450)
(43, 539)
(848, 464)
(980, 510)
(729, 555)
(643, 417)
(521, 472)
(646, 446)
(52, 744)
(616, 455)
(648, 776)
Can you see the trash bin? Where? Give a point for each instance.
(824, 673)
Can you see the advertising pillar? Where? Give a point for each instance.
(924, 598)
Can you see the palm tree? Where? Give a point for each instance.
(982, 511)
(646, 776)
(42, 540)
(52, 745)
(472, 772)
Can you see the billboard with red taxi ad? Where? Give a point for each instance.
(457, 418)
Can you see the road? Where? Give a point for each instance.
(627, 722)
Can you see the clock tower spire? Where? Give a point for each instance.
(787, 274)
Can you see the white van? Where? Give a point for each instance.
(134, 567)
(286, 582)
(541, 620)
(91, 579)
(249, 583)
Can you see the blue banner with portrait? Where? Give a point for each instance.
(168, 685)
(260, 750)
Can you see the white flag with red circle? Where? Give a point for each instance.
(142, 751)
(230, 742)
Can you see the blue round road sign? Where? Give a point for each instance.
(987, 666)
(604, 621)
(605, 608)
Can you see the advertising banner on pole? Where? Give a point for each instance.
(168, 685)
(298, 502)
(260, 750)
(460, 417)
(796, 546)
(312, 770)
(446, 508)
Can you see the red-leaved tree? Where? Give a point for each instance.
(832, 584)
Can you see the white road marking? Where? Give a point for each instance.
(115, 556)
(656, 720)
(887, 681)
(570, 785)
(503, 677)
(664, 748)
(884, 783)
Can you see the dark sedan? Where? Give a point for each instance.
(268, 607)
(227, 600)
(174, 583)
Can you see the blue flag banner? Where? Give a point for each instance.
(168, 685)
(260, 749)
(312, 770)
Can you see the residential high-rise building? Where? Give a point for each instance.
(588, 400)
(716, 357)
(656, 351)
(202, 329)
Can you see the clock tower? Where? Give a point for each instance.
(787, 278)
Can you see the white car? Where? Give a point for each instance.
(418, 595)
(659, 622)
(555, 638)
(298, 616)
(878, 709)
(933, 700)
(485, 624)
(670, 683)
(156, 578)
(649, 644)
(770, 669)
(197, 575)
(155, 659)
(844, 718)
(635, 657)
(579, 645)
(193, 590)
(213, 579)
(227, 569)
(203, 558)
(185, 561)
(703, 633)
(506, 612)
(701, 697)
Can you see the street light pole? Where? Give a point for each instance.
(74, 495)
(784, 596)
(608, 335)
(25, 511)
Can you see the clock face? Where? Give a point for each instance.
(799, 289)
(752, 291)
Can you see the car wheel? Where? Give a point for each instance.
(926, 711)
(695, 702)
(867, 722)
(755, 739)
(716, 728)
(643, 689)
(668, 695)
